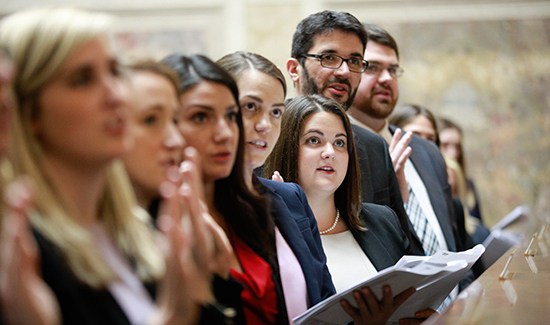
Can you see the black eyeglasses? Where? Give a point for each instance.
(333, 61)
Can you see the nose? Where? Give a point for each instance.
(328, 152)
(174, 140)
(384, 76)
(117, 93)
(222, 132)
(343, 70)
(263, 125)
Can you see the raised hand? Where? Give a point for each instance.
(211, 245)
(25, 297)
(185, 286)
(400, 152)
(370, 310)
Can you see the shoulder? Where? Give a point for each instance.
(362, 134)
(376, 215)
(282, 189)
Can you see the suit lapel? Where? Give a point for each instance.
(293, 236)
(373, 247)
(364, 166)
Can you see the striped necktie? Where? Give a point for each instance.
(421, 225)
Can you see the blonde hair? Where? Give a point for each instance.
(461, 191)
(41, 41)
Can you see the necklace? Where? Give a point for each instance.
(333, 225)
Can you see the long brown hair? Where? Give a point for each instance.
(285, 156)
(241, 208)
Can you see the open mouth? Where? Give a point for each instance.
(326, 169)
(258, 143)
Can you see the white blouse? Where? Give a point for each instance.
(346, 261)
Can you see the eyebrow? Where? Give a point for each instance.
(330, 51)
(314, 131)
(258, 99)
(380, 63)
(341, 135)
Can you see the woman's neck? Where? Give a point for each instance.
(80, 187)
(323, 208)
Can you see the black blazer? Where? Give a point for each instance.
(298, 226)
(379, 183)
(79, 303)
(384, 241)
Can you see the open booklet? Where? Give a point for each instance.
(434, 277)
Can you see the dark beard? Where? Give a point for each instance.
(309, 87)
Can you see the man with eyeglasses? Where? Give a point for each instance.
(429, 200)
(327, 59)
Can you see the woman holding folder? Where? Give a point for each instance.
(316, 150)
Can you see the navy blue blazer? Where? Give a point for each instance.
(379, 183)
(384, 241)
(430, 165)
(297, 224)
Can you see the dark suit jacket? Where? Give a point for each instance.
(297, 224)
(384, 241)
(431, 168)
(379, 183)
(80, 304)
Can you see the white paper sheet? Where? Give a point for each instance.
(434, 277)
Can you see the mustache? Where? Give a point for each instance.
(339, 81)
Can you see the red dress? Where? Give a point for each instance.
(259, 296)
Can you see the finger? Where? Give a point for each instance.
(371, 301)
(410, 321)
(193, 171)
(400, 146)
(402, 159)
(349, 309)
(223, 251)
(425, 313)
(277, 177)
(403, 296)
(395, 139)
(170, 203)
(203, 246)
(387, 298)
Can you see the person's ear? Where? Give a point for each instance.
(294, 69)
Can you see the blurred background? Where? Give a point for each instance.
(483, 63)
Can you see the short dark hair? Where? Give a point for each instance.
(404, 114)
(242, 209)
(239, 62)
(285, 155)
(324, 22)
(379, 35)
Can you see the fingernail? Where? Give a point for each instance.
(185, 166)
(189, 151)
(184, 189)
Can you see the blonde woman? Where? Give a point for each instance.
(96, 255)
